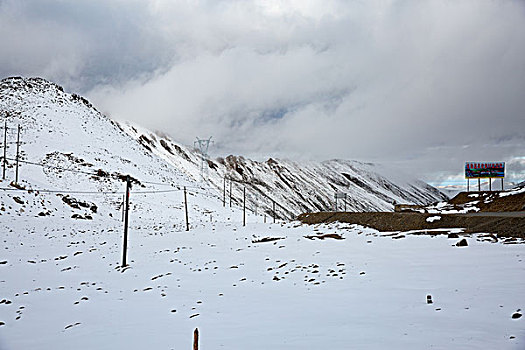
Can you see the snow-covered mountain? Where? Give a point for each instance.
(296, 187)
(64, 130)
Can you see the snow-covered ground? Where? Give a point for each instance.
(64, 288)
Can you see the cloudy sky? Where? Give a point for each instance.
(424, 85)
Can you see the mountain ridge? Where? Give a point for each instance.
(57, 123)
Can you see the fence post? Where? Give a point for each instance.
(123, 206)
(4, 163)
(244, 206)
(196, 339)
(186, 209)
(224, 192)
(126, 210)
(230, 192)
(17, 153)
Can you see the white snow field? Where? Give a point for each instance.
(61, 287)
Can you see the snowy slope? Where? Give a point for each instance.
(296, 187)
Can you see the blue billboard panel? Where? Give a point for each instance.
(478, 170)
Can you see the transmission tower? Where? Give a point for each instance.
(203, 146)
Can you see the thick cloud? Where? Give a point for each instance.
(425, 85)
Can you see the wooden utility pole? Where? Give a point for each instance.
(345, 202)
(224, 193)
(273, 204)
(123, 206)
(17, 153)
(126, 210)
(4, 163)
(196, 339)
(244, 206)
(186, 209)
(230, 193)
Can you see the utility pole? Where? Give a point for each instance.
(186, 209)
(273, 204)
(17, 153)
(224, 192)
(123, 206)
(231, 192)
(126, 210)
(244, 206)
(345, 202)
(5, 151)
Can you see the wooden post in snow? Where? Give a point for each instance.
(4, 163)
(244, 206)
(17, 153)
(186, 209)
(224, 192)
(126, 209)
(196, 339)
(230, 192)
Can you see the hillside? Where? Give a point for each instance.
(295, 187)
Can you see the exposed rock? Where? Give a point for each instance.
(462, 243)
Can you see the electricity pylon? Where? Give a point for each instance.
(203, 146)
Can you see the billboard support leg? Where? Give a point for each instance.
(502, 184)
(490, 184)
(468, 183)
(479, 184)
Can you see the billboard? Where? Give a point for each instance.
(478, 170)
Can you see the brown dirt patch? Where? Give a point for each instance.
(382, 221)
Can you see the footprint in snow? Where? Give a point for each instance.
(72, 325)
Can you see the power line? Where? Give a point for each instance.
(55, 167)
(96, 173)
(59, 191)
